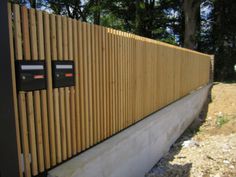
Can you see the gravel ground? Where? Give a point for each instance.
(208, 147)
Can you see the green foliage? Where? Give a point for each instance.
(221, 120)
(111, 21)
(220, 38)
(145, 18)
(142, 5)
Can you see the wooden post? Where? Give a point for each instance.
(8, 149)
(212, 69)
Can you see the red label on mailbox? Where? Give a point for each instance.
(39, 77)
(69, 75)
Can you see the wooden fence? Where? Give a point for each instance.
(120, 79)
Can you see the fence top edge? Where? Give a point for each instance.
(127, 34)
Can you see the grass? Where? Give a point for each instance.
(221, 120)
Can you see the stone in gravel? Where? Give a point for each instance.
(226, 162)
(217, 175)
(190, 143)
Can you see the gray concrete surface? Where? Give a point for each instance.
(133, 152)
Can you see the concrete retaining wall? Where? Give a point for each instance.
(133, 152)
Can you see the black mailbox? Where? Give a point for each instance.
(63, 74)
(30, 75)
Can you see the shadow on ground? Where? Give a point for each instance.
(164, 168)
(197, 123)
(173, 171)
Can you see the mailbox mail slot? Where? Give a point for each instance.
(63, 74)
(30, 75)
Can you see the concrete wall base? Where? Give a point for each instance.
(133, 152)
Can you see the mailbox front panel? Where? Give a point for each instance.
(63, 74)
(30, 75)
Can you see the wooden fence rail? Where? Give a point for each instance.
(120, 79)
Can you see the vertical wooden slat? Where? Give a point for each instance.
(129, 116)
(101, 83)
(29, 95)
(67, 91)
(132, 78)
(48, 47)
(111, 82)
(117, 80)
(98, 85)
(113, 98)
(77, 89)
(24, 134)
(16, 109)
(94, 84)
(61, 50)
(139, 79)
(90, 94)
(103, 62)
(119, 72)
(133, 81)
(36, 95)
(122, 81)
(40, 34)
(126, 79)
(57, 109)
(108, 76)
(81, 85)
(22, 98)
(86, 91)
(72, 90)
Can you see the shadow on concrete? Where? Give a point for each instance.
(201, 118)
(164, 168)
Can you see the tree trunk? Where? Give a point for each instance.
(191, 10)
(144, 17)
(138, 13)
(97, 13)
(33, 4)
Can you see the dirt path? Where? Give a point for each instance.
(208, 150)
